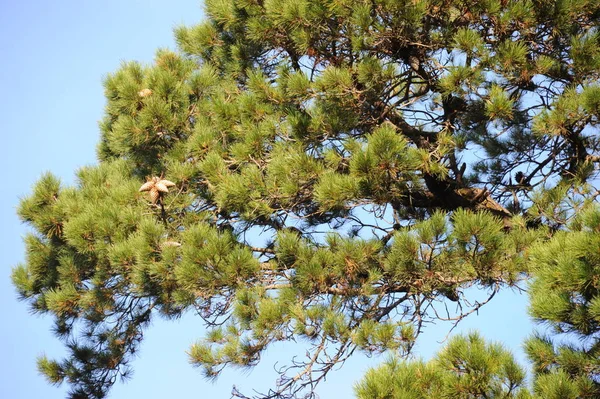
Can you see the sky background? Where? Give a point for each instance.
(54, 58)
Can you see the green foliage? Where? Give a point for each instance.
(499, 105)
(467, 367)
(565, 296)
(334, 171)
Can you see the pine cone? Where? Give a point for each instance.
(154, 195)
(157, 187)
(161, 187)
(144, 92)
(171, 244)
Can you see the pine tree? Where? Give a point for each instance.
(331, 171)
(467, 368)
(564, 294)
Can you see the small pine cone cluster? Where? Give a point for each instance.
(157, 187)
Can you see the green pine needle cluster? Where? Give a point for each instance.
(467, 367)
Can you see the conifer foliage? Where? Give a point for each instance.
(467, 367)
(564, 294)
(335, 172)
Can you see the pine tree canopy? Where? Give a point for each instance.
(337, 172)
(467, 367)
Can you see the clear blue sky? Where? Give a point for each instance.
(54, 57)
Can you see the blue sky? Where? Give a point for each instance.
(54, 57)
